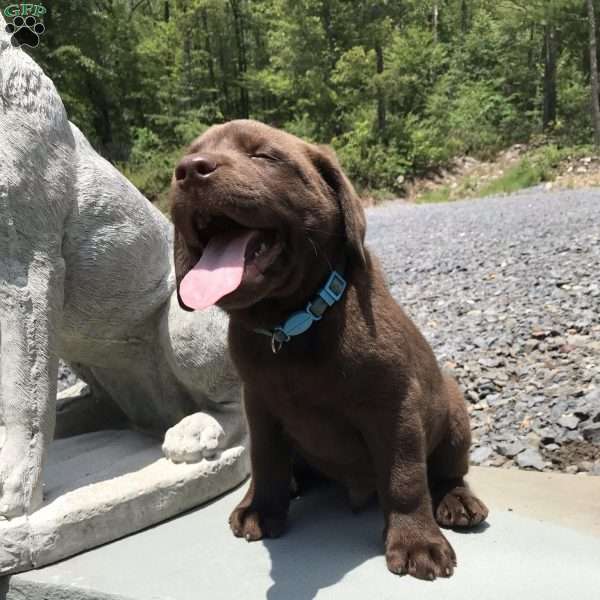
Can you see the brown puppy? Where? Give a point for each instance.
(261, 220)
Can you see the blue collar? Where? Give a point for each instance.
(302, 320)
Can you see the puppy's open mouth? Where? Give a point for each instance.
(232, 255)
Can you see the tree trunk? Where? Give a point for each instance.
(209, 53)
(167, 11)
(380, 92)
(187, 71)
(436, 20)
(327, 26)
(224, 74)
(464, 16)
(549, 77)
(238, 24)
(594, 73)
(532, 68)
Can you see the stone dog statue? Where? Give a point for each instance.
(86, 275)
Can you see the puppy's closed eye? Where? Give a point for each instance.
(263, 156)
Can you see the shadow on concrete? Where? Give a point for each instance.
(481, 528)
(326, 541)
(3, 587)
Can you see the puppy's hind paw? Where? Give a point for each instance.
(195, 437)
(460, 508)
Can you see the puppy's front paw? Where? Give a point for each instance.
(195, 437)
(253, 525)
(422, 554)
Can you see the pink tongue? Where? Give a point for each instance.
(217, 273)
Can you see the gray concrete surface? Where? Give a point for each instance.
(330, 553)
(106, 485)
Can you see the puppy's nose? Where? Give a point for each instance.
(192, 167)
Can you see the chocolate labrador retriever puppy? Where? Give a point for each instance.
(269, 228)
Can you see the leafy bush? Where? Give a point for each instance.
(369, 162)
(150, 166)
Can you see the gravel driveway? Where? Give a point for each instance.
(507, 291)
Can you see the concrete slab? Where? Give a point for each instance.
(566, 500)
(105, 485)
(330, 553)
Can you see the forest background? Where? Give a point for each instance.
(398, 88)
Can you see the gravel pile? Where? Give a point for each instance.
(507, 291)
(66, 377)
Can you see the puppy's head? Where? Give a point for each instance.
(259, 213)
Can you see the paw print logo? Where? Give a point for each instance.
(25, 32)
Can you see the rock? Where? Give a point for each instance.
(569, 421)
(491, 363)
(479, 455)
(531, 345)
(496, 461)
(472, 396)
(511, 449)
(591, 433)
(531, 459)
(540, 334)
(533, 440)
(66, 377)
(582, 412)
(571, 469)
(566, 349)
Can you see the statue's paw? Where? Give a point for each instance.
(15, 498)
(195, 437)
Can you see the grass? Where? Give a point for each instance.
(539, 166)
(442, 194)
(523, 175)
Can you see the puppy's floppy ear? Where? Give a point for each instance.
(183, 263)
(355, 223)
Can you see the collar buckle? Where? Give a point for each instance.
(333, 289)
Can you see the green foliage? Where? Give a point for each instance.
(393, 96)
(369, 162)
(150, 165)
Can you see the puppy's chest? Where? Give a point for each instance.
(314, 416)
